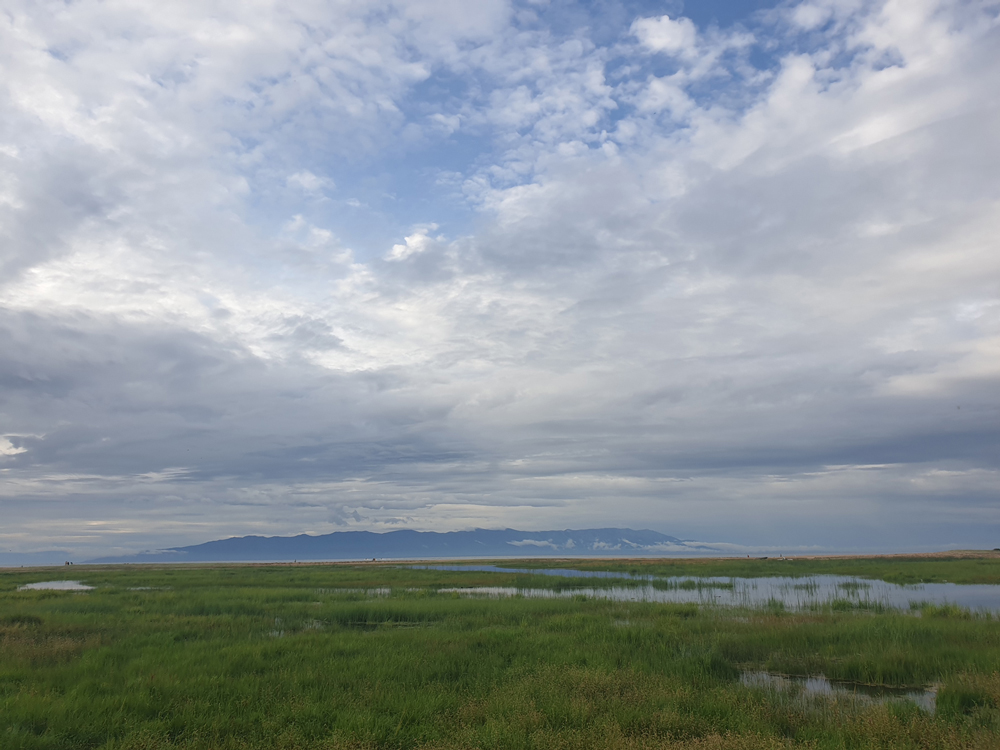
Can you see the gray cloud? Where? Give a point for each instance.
(765, 310)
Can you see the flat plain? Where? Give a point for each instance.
(378, 656)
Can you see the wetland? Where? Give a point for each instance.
(390, 656)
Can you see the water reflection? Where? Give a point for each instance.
(838, 592)
(55, 586)
(818, 685)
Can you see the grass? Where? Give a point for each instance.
(311, 656)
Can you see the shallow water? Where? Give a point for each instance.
(818, 685)
(563, 572)
(55, 586)
(791, 593)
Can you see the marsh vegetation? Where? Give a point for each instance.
(379, 656)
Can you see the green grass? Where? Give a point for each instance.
(302, 657)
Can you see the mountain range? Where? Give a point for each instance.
(405, 544)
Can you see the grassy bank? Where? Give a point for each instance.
(372, 656)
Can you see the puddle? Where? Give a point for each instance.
(818, 685)
(791, 593)
(55, 586)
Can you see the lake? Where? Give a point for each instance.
(792, 593)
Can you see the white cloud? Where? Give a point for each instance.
(448, 123)
(681, 296)
(308, 182)
(665, 34)
(413, 244)
(536, 543)
(808, 15)
(7, 448)
(664, 94)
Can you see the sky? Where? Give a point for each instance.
(725, 270)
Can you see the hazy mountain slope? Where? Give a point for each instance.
(351, 545)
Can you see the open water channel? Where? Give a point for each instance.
(792, 593)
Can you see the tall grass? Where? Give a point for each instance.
(306, 657)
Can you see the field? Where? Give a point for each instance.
(372, 656)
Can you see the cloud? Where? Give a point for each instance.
(732, 283)
(7, 448)
(308, 182)
(413, 244)
(536, 543)
(665, 34)
(810, 16)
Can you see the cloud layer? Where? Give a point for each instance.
(272, 268)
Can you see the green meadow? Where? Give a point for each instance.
(374, 656)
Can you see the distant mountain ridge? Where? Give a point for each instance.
(405, 544)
